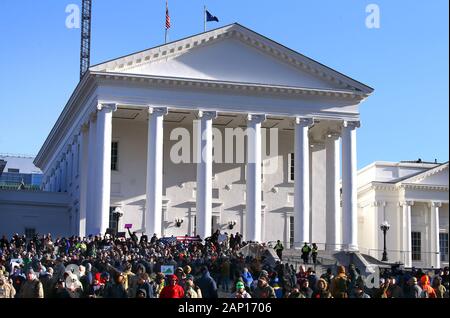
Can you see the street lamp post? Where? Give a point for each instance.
(384, 227)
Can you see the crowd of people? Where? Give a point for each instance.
(131, 267)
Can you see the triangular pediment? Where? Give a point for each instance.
(436, 176)
(232, 54)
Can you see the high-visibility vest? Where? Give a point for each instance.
(305, 249)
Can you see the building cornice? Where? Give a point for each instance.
(241, 87)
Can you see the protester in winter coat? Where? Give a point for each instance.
(240, 291)
(207, 284)
(414, 290)
(173, 290)
(263, 289)
(339, 284)
(247, 277)
(32, 288)
(6, 289)
(439, 289)
(322, 290)
(425, 285)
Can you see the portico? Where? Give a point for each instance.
(127, 115)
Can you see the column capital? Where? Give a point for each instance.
(158, 111)
(111, 107)
(352, 124)
(84, 127)
(304, 121)
(257, 118)
(406, 203)
(435, 204)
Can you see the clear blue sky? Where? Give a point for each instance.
(406, 60)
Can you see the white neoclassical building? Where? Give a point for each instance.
(413, 198)
(149, 135)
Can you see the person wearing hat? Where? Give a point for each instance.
(322, 290)
(173, 290)
(160, 281)
(339, 284)
(263, 289)
(358, 291)
(32, 288)
(240, 291)
(189, 289)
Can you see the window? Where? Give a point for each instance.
(443, 246)
(13, 170)
(113, 220)
(291, 161)
(30, 232)
(194, 226)
(416, 242)
(114, 155)
(291, 231)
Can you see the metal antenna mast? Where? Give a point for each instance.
(85, 54)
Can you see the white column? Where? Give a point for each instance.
(436, 261)
(91, 189)
(333, 206)
(407, 237)
(154, 191)
(253, 177)
(204, 172)
(301, 180)
(83, 180)
(103, 162)
(349, 186)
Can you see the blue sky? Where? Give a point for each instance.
(405, 60)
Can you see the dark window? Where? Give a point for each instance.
(291, 231)
(114, 155)
(113, 220)
(30, 232)
(416, 246)
(291, 166)
(443, 246)
(13, 170)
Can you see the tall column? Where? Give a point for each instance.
(254, 161)
(334, 217)
(154, 191)
(84, 136)
(103, 163)
(407, 237)
(204, 172)
(349, 186)
(435, 248)
(301, 180)
(91, 171)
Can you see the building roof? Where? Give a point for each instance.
(23, 163)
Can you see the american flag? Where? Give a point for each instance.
(167, 17)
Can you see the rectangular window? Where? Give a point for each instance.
(291, 231)
(416, 246)
(30, 232)
(443, 246)
(113, 220)
(114, 155)
(13, 170)
(291, 161)
(194, 226)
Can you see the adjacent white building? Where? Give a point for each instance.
(413, 198)
(153, 139)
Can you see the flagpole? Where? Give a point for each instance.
(204, 19)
